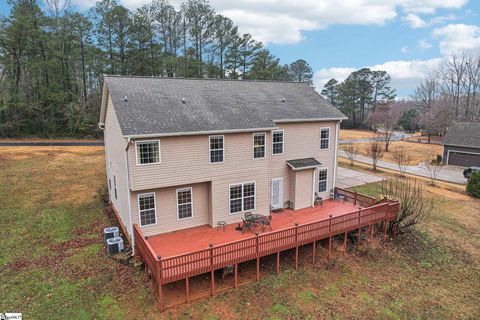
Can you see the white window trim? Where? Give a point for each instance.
(191, 198)
(253, 145)
(139, 211)
(283, 142)
(136, 153)
(318, 179)
(254, 197)
(209, 148)
(329, 137)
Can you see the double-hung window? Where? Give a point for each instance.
(242, 197)
(322, 180)
(324, 138)
(184, 203)
(147, 209)
(148, 152)
(277, 142)
(216, 149)
(258, 145)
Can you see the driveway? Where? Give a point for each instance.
(446, 173)
(347, 178)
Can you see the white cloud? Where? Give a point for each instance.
(458, 37)
(414, 21)
(404, 49)
(405, 74)
(282, 21)
(423, 44)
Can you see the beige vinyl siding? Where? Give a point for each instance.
(302, 140)
(115, 146)
(166, 208)
(303, 189)
(185, 162)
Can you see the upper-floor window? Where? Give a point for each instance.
(277, 142)
(324, 138)
(148, 151)
(258, 145)
(216, 149)
(184, 203)
(147, 209)
(322, 180)
(242, 197)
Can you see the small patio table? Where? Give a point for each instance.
(256, 219)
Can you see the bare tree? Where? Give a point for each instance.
(402, 158)
(415, 204)
(375, 151)
(352, 151)
(385, 119)
(432, 167)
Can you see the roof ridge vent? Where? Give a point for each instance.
(125, 99)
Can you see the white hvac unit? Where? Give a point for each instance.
(110, 232)
(114, 245)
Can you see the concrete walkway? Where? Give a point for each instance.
(446, 173)
(347, 178)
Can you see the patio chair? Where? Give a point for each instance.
(318, 199)
(266, 223)
(248, 215)
(247, 225)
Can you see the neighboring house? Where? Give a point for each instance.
(462, 144)
(182, 152)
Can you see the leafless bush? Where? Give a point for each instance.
(402, 158)
(432, 167)
(352, 151)
(415, 204)
(375, 151)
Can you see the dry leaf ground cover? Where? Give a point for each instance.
(53, 264)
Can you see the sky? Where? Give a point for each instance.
(406, 38)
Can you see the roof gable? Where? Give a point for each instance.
(466, 134)
(162, 106)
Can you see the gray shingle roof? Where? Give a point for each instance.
(466, 134)
(306, 163)
(154, 105)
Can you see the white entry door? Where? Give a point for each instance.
(277, 193)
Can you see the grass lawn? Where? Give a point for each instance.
(350, 134)
(418, 151)
(53, 265)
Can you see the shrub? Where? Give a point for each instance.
(439, 158)
(473, 184)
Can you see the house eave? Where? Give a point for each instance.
(195, 133)
(309, 120)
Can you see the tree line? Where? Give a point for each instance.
(52, 59)
(360, 95)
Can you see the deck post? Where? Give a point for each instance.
(296, 246)
(160, 283)
(330, 237)
(355, 199)
(278, 262)
(187, 289)
(372, 226)
(236, 275)
(359, 229)
(212, 271)
(345, 243)
(385, 227)
(258, 258)
(313, 253)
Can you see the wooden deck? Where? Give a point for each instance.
(180, 242)
(187, 254)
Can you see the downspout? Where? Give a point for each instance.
(337, 127)
(130, 226)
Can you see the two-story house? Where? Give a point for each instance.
(182, 153)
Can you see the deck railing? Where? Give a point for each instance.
(174, 268)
